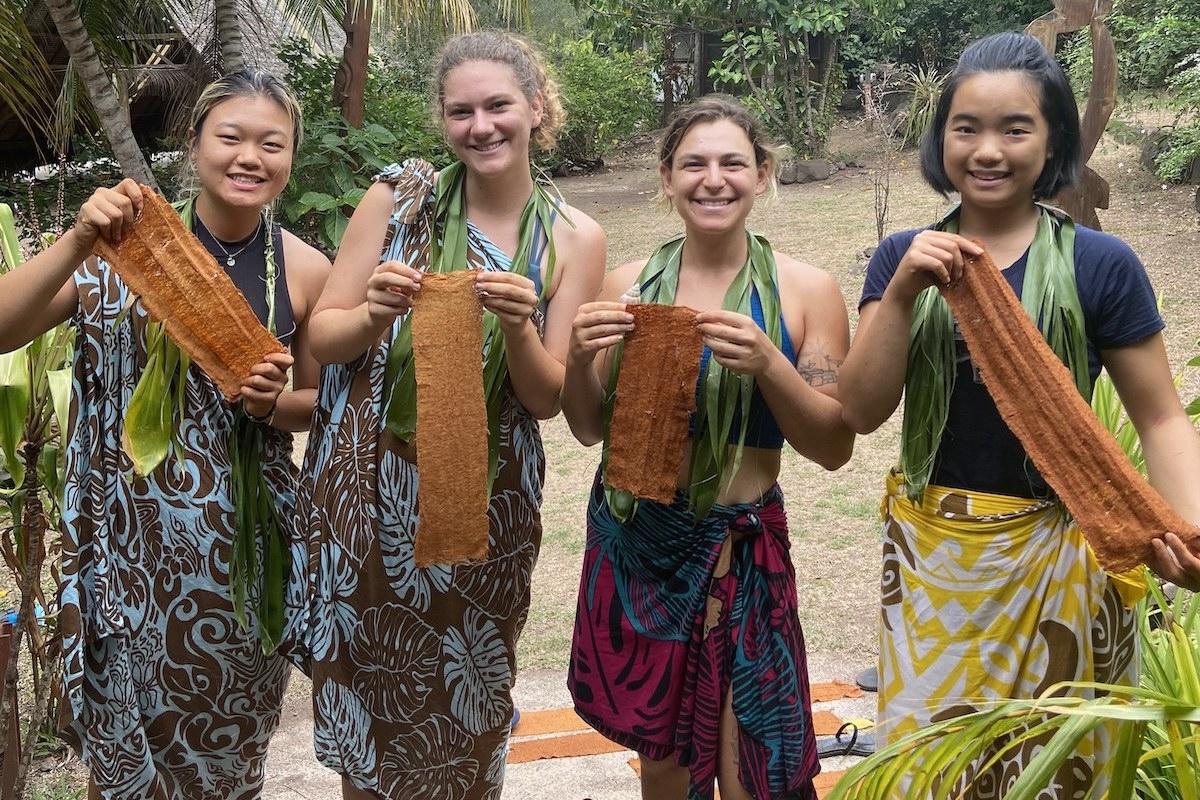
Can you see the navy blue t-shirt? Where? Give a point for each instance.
(978, 451)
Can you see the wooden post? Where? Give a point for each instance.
(1068, 16)
(11, 758)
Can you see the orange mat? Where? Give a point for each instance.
(824, 692)
(554, 720)
(569, 746)
(825, 782)
(577, 739)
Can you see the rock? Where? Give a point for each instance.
(1152, 146)
(787, 173)
(1191, 173)
(811, 169)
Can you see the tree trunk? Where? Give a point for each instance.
(668, 73)
(350, 80)
(229, 36)
(33, 527)
(114, 116)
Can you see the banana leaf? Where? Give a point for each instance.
(10, 248)
(60, 397)
(146, 436)
(14, 407)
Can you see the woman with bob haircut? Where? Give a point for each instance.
(990, 590)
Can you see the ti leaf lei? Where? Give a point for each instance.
(1050, 298)
(723, 391)
(448, 253)
(151, 432)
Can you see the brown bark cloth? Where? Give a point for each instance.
(1117, 509)
(452, 425)
(182, 286)
(656, 393)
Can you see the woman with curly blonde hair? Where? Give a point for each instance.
(412, 666)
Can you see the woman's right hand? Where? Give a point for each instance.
(597, 326)
(935, 258)
(108, 213)
(390, 291)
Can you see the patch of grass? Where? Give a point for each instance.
(57, 786)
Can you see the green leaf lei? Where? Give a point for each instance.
(1049, 296)
(448, 253)
(723, 390)
(151, 433)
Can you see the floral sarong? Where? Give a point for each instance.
(987, 597)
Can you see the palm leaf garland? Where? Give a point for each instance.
(1049, 296)
(723, 392)
(448, 253)
(1156, 724)
(151, 433)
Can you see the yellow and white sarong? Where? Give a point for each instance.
(987, 597)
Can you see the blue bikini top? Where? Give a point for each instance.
(761, 429)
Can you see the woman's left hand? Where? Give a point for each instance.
(510, 297)
(1177, 563)
(264, 384)
(737, 343)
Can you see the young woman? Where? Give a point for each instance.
(411, 666)
(989, 590)
(687, 644)
(166, 694)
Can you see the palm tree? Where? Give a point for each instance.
(112, 112)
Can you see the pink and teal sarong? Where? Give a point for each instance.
(672, 615)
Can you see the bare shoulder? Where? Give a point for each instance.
(303, 256)
(800, 277)
(576, 229)
(619, 279)
(307, 266)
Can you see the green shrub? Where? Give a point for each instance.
(1182, 146)
(607, 96)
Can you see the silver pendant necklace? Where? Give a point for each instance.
(231, 258)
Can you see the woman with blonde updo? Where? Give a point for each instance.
(412, 667)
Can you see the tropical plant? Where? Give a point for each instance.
(335, 165)
(924, 86)
(35, 386)
(783, 55)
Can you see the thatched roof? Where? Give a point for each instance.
(177, 61)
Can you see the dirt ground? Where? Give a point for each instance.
(833, 516)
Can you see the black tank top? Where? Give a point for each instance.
(248, 274)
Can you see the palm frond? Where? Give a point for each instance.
(25, 77)
(1157, 725)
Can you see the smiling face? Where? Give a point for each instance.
(713, 177)
(996, 140)
(243, 151)
(487, 118)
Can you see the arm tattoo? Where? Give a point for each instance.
(818, 369)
